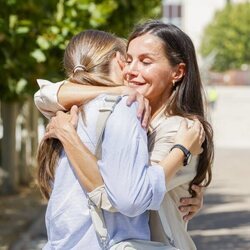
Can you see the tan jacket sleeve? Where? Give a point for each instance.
(100, 198)
(46, 98)
(160, 142)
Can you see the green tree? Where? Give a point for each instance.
(227, 37)
(33, 35)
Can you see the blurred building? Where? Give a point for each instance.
(192, 16)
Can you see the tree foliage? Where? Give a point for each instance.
(34, 33)
(227, 37)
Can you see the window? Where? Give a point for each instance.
(172, 12)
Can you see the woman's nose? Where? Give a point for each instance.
(131, 70)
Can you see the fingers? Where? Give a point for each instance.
(146, 114)
(131, 99)
(74, 110)
(183, 125)
(50, 132)
(192, 201)
(190, 211)
(192, 205)
(197, 125)
(199, 190)
(141, 106)
(188, 216)
(202, 136)
(74, 115)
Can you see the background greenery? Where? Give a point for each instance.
(33, 35)
(227, 37)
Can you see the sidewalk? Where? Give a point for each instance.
(224, 222)
(20, 218)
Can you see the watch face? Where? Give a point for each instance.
(187, 159)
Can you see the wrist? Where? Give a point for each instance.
(185, 153)
(67, 135)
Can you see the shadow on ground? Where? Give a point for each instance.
(223, 228)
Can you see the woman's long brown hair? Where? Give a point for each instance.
(94, 50)
(188, 95)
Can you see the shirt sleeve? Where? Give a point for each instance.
(131, 184)
(46, 98)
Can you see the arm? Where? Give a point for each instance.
(60, 96)
(136, 187)
(159, 145)
(131, 184)
(63, 127)
(161, 141)
(46, 98)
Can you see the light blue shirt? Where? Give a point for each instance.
(133, 187)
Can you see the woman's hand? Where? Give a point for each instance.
(144, 109)
(62, 124)
(192, 205)
(191, 137)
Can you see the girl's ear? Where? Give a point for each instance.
(120, 59)
(179, 72)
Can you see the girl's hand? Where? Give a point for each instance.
(62, 123)
(144, 109)
(192, 137)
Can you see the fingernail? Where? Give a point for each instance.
(183, 201)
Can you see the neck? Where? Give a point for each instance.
(158, 104)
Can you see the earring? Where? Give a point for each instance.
(173, 83)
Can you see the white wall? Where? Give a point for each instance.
(197, 14)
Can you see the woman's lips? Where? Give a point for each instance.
(136, 83)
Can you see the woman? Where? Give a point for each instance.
(176, 68)
(89, 58)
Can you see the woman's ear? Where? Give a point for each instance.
(179, 72)
(120, 59)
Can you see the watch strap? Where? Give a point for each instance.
(185, 151)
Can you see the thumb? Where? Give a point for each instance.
(183, 125)
(74, 115)
(74, 110)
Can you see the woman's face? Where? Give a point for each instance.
(147, 68)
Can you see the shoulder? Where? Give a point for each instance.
(173, 122)
(124, 118)
(124, 111)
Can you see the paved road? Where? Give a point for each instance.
(224, 222)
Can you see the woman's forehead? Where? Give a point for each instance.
(146, 44)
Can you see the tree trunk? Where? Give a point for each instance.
(29, 142)
(9, 113)
(33, 125)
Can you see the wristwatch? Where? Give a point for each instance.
(186, 152)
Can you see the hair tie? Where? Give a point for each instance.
(79, 67)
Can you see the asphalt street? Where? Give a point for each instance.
(224, 222)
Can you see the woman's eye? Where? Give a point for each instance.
(146, 61)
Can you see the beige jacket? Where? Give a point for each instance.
(160, 139)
